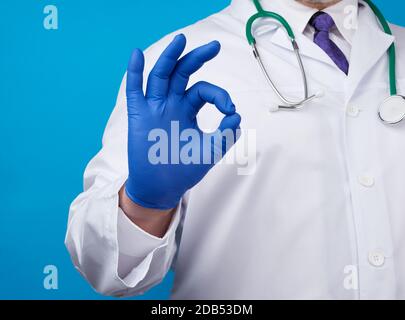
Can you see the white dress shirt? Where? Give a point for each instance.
(323, 213)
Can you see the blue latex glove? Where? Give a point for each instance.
(161, 186)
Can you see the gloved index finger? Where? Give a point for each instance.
(203, 92)
(190, 64)
(159, 77)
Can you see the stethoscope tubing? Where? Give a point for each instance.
(293, 105)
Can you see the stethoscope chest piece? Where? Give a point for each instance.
(392, 110)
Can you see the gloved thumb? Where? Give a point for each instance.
(134, 90)
(225, 136)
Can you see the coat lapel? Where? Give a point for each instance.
(307, 47)
(370, 44)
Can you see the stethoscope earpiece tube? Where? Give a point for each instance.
(252, 41)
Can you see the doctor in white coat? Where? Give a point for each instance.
(318, 209)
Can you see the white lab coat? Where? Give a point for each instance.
(323, 214)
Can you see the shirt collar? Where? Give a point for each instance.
(345, 15)
(298, 15)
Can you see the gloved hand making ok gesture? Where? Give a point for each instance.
(168, 102)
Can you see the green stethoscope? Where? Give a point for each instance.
(392, 109)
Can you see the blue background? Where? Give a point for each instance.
(57, 89)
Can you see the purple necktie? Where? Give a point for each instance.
(323, 22)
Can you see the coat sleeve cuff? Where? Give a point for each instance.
(135, 242)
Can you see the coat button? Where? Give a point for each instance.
(366, 180)
(352, 111)
(273, 107)
(376, 258)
